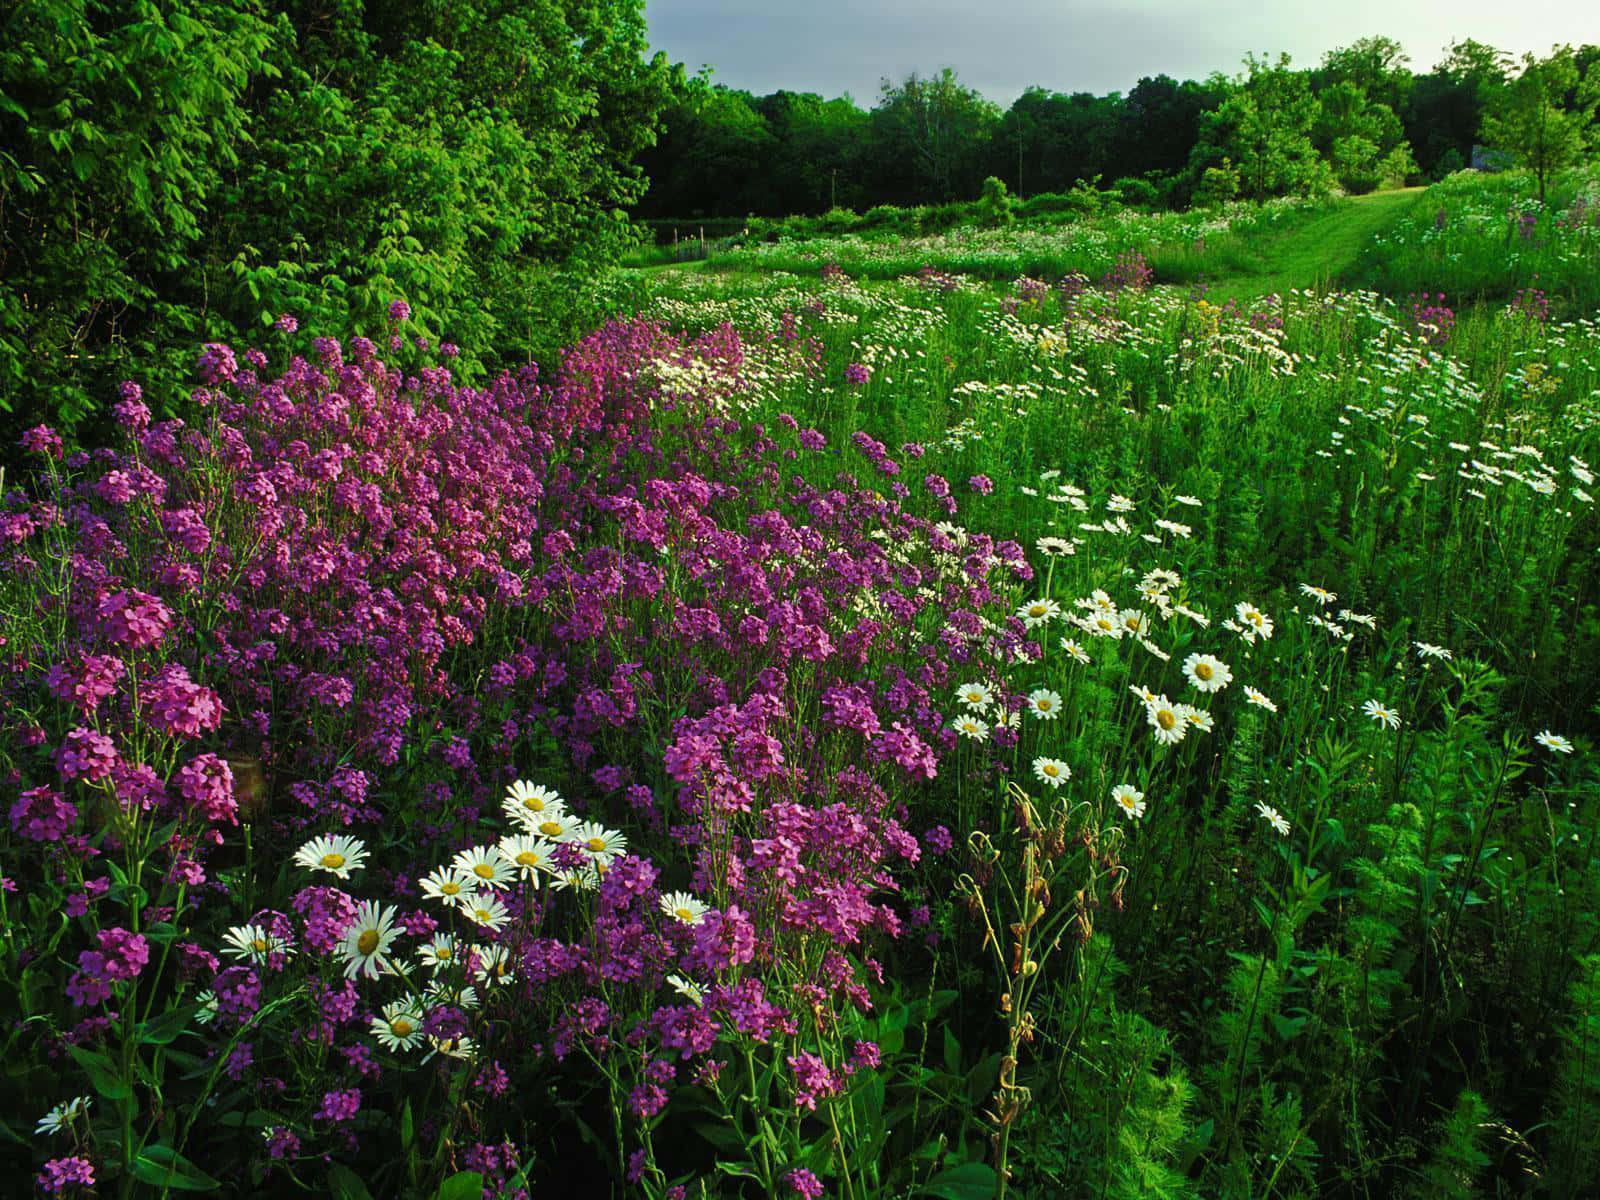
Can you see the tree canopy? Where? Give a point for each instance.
(191, 169)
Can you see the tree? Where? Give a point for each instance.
(934, 128)
(1264, 126)
(1374, 65)
(1527, 117)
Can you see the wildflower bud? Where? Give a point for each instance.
(1030, 968)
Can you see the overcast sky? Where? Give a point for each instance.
(1003, 46)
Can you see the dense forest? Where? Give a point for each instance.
(1360, 120)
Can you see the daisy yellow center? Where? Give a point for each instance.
(1125, 801)
(551, 829)
(449, 888)
(1203, 671)
(483, 870)
(683, 914)
(401, 1027)
(1043, 705)
(442, 953)
(1036, 610)
(333, 861)
(974, 697)
(1105, 623)
(533, 804)
(528, 859)
(596, 844)
(1166, 718)
(1051, 770)
(259, 945)
(367, 943)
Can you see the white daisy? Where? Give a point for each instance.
(603, 845)
(1134, 622)
(1429, 650)
(971, 727)
(1044, 704)
(400, 1026)
(448, 884)
(63, 1115)
(493, 966)
(529, 855)
(681, 906)
(526, 803)
(1129, 799)
(1273, 817)
(441, 952)
(1320, 594)
(688, 989)
(458, 995)
(1259, 699)
(1253, 622)
(1167, 721)
(1075, 650)
(252, 942)
(975, 696)
(1554, 742)
(367, 942)
(1051, 771)
(462, 1048)
(1207, 674)
(485, 866)
(555, 826)
(1038, 612)
(336, 854)
(484, 909)
(1381, 714)
(1197, 718)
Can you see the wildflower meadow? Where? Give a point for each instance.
(1028, 709)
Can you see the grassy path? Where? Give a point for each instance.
(1317, 253)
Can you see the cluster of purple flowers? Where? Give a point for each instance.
(1432, 318)
(352, 594)
(1131, 270)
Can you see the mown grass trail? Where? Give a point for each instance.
(1316, 253)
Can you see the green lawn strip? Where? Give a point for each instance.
(1315, 254)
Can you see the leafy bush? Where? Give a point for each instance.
(184, 172)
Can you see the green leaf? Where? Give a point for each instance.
(102, 1073)
(463, 1185)
(163, 1030)
(346, 1184)
(408, 1127)
(969, 1181)
(720, 1136)
(161, 1164)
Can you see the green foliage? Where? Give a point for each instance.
(996, 204)
(1458, 1160)
(1265, 125)
(1218, 184)
(182, 172)
(1574, 1157)
(1531, 118)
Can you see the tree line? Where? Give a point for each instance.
(1359, 120)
